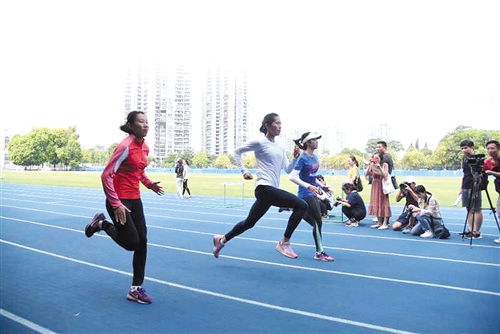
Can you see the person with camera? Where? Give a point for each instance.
(353, 206)
(471, 196)
(491, 166)
(379, 202)
(325, 197)
(407, 191)
(427, 213)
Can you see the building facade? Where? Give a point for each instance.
(164, 94)
(225, 109)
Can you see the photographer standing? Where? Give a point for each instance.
(407, 191)
(474, 213)
(492, 167)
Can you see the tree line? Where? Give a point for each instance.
(61, 148)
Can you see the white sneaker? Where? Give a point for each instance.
(427, 234)
(497, 241)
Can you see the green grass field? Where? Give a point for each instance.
(445, 189)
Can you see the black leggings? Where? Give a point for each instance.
(132, 235)
(185, 187)
(313, 217)
(268, 196)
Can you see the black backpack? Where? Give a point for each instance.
(440, 231)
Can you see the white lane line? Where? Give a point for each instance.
(25, 322)
(463, 243)
(273, 241)
(434, 285)
(219, 295)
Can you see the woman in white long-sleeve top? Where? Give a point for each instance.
(271, 159)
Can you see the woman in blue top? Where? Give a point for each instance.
(305, 176)
(271, 159)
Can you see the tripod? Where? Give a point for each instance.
(474, 198)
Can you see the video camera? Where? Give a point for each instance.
(476, 159)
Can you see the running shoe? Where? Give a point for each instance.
(217, 245)
(406, 230)
(383, 227)
(353, 224)
(139, 295)
(286, 249)
(497, 241)
(323, 257)
(94, 225)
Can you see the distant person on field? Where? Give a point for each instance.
(185, 178)
(179, 175)
(471, 201)
(120, 180)
(353, 206)
(406, 190)
(271, 159)
(492, 167)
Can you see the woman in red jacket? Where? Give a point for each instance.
(120, 180)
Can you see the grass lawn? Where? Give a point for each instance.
(445, 189)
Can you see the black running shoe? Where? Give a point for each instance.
(94, 225)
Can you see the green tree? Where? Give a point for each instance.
(21, 151)
(223, 161)
(250, 161)
(201, 160)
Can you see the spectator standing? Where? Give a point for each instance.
(379, 202)
(185, 178)
(470, 201)
(492, 167)
(179, 174)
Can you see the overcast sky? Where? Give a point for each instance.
(423, 67)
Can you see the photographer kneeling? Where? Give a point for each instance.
(427, 214)
(406, 221)
(353, 206)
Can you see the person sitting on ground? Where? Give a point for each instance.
(406, 190)
(353, 206)
(427, 213)
(326, 197)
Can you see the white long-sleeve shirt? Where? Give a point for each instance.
(271, 159)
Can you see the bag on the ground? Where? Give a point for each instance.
(387, 186)
(359, 184)
(440, 231)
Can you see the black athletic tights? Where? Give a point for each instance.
(132, 235)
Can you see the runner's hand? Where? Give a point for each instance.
(121, 214)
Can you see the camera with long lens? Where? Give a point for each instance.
(403, 185)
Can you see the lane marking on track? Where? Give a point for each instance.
(464, 243)
(25, 322)
(335, 272)
(220, 295)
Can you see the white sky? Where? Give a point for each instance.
(423, 67)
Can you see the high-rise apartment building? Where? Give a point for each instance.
(225, 109)
(171, 121)
(172, 111)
